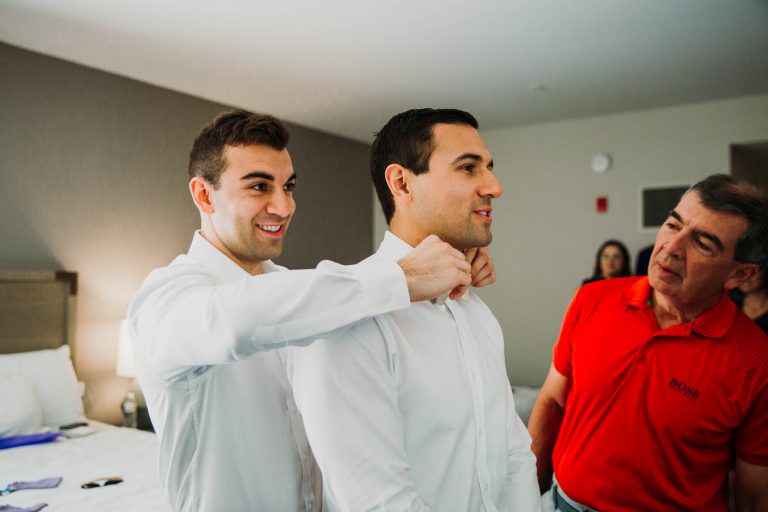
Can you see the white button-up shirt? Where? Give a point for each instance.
(209, 348)
(412, 410)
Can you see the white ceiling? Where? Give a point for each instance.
(346, 66)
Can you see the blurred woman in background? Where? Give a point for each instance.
(752, 298)
(612, 260)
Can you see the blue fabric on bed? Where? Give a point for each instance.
(10, 442)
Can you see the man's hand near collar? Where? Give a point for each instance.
(483, 271)
(435, 268)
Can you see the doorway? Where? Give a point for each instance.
(749, 162)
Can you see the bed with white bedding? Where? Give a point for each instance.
(40, 393)
(110, 451)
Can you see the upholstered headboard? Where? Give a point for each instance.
(37, 310)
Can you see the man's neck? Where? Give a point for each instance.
(669, 313)
(406, 232)
(252, 268)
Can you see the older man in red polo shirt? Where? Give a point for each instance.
(659, 384)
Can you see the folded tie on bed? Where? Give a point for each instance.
(33, 508)
(45, 483)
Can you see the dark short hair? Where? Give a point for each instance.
(625, 269)
(407, 140)
(725, 193)
(233, 128)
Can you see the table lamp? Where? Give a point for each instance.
(130, 406)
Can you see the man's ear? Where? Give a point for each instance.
(397, 178)
(202, 194)
(742, 273)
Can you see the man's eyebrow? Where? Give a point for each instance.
(258, 174)
(464, 156)
(264, 175)
(471, 156)
(675, 215)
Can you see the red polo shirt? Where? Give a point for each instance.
(653, 416)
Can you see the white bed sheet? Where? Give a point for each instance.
(111, 451)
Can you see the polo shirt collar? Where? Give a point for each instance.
(638, 293)
(713, 323)
(218, 263)
(716, 321)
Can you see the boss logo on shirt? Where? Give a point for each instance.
(684, 389)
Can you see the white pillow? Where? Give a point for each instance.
(51, 375)
(21, 409)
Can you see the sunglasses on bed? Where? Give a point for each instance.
(101, 482)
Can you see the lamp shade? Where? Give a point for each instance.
(125, 353)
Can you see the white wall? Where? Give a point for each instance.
(546, 230)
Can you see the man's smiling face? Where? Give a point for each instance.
(253, 203)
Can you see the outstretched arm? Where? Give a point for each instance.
(182, 318)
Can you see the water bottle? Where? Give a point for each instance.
(130, 410)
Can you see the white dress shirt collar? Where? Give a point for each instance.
(218, 263)
(393, 247)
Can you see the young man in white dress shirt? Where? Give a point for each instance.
(209, 329)
(412, 410)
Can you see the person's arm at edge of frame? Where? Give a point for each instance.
(751, 487)
(544, 423)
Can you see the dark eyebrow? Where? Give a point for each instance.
(258, 174)
(471, 156)
(263, 175)
(674, 214)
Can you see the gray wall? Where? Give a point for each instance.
(93, 170)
